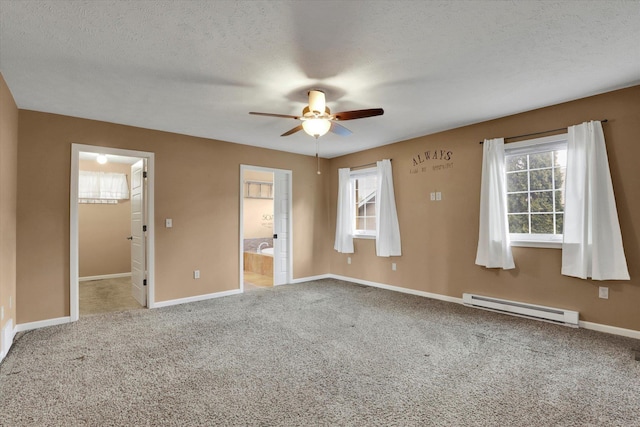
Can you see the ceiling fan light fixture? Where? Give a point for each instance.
(316, 127)
(317, 119)
(317, 101)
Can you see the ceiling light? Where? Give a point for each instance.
(316, 127)
(102, 159)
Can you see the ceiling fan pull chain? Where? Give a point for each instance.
(317, 159)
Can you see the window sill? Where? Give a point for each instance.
(364, 236)
(530, 244)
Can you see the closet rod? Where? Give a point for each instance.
(368, 164)
(539, 133)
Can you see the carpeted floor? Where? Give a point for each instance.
(323, 353)
(106, 295)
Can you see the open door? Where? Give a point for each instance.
(138, 264)
(281, 215)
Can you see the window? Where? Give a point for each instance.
(535, 190)
(364, 188)
(102, 187)
(258, 190)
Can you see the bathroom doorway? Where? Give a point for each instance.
(265, 232)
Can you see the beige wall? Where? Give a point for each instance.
(197, 185)
(258, 213)
(439, 238)
(8, 189)
(103, 229)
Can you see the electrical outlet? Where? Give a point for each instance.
(348, 260)
(393, 266)
(433, 196)
(603, 292)
(196, 274)
(438, 196)
(168, 223)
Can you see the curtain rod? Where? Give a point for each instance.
(539, 133)
(368, 164)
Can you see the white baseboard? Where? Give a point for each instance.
(195, 299)
(6, 335)
(397, 289)
(310, 278)
(630, 333)
(610, 329)
(104, 276)
(614, 330)
(42, 323)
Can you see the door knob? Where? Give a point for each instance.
(130, 238)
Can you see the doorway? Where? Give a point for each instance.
(265, 227)
(111, 230)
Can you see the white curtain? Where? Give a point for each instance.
(89, 185)
(592, 244)
(494, 248)
(387, 226)
(102, 185)
(345, 215)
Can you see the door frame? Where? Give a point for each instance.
(289, 173)
(74, 294)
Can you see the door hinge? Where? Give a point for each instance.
(144, 174)
(144, 228)
(144, 282)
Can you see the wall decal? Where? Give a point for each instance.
(427, 160)
(267, 220)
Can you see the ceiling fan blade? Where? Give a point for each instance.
(284, 116)
(339, 129)
(292, 131)
(359, 114)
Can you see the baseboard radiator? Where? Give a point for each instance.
(520, 309)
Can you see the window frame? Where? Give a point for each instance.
(355, 174)
(532, 146)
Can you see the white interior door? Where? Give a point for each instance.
(281, 218)
(138, 264)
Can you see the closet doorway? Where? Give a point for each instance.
(111, 237)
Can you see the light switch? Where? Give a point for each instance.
(603, 292)
(168, 223)
(433, 196)
(438, 196)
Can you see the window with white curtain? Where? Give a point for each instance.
(535, 175)
(102, 187)
(366, 208)
(364, 182)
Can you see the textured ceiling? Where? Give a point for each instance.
(198, 67)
